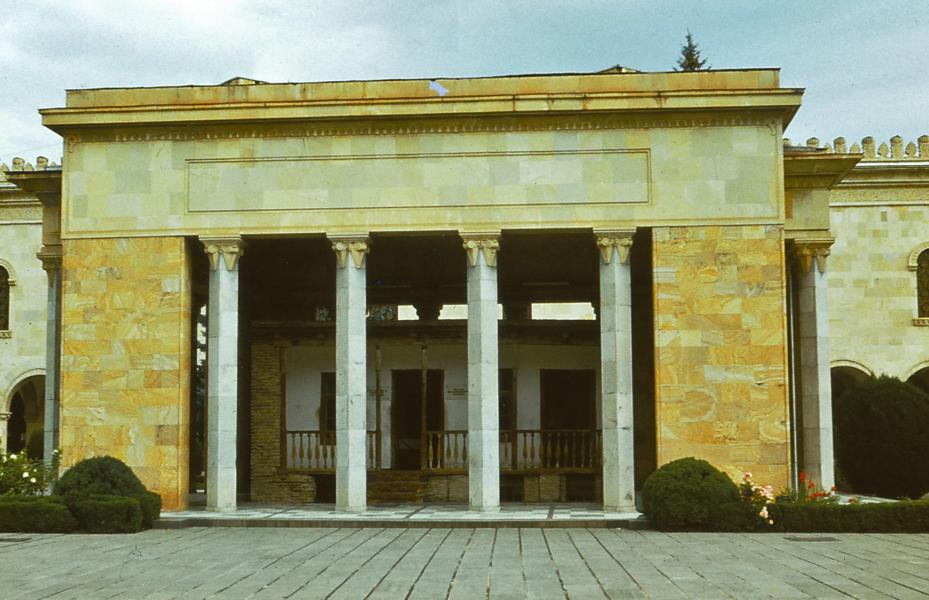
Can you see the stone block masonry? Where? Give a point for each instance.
(721, 348)
(125, 363)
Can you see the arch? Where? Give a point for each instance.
(17, 383)
(11, 272)
(851, 364)
(845, 374)
(913, 259)
(918, 375)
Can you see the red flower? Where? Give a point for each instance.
(802, 476)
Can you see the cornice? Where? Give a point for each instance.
(393, 127)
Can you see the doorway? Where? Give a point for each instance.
(568, 399)
(409, 413)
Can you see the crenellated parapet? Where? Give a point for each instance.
(894, 149)
(20, 164)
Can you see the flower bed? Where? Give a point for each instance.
(691, 495)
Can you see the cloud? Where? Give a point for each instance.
(861, 65)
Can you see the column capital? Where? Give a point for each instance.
(487, 242)
(610, 239)
(231, 249)
(50, 257)
(355, 245)
(805, 250)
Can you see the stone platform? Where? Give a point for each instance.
(405, 516)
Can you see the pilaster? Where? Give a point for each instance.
(222, 370)
(51, 257)
(483, 392)
(615, 317)
(351, 371)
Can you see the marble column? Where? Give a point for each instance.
(812, 325)
(616, 404)
(51, 263)
(222, 371)
(351, 395)
(483, 391)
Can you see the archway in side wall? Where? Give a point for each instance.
(26, 421)
(847, 375)
(920, 377)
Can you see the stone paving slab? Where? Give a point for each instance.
(467, 563)
(404, 516)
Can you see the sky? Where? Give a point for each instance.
(863, 63)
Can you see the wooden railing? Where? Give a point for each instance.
(445, 451)
(526, 450)
(314, 450)
(577, 450)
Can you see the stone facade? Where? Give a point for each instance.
(878, 217)
(126, 358)
(22, 344)
(270, 481)
(22, 341)
(721, 348)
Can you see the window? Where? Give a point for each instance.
(327, 402)
(922, 283)
(4, 299)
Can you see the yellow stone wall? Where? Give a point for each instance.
(126, 358)
(720, 360)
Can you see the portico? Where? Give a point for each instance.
(299, 219)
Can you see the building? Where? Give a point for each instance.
(23, 293)
(303, 222)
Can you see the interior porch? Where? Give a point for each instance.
(416, 446)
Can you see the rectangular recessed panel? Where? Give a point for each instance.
(398, 181)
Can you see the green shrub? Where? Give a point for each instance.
(107, 476)
(690, 494)
(150, 503)
(880, 438)
(100, 476)
(107, 514)
(35, 514)
(884, 517)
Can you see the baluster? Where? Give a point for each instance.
(543, 451)
(430, 452)
(464, 449)
(301, 449)
(292, 449)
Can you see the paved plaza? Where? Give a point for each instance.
(461, 563)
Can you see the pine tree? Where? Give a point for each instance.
(690, 57)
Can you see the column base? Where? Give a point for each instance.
(624, 508)
(484, 509)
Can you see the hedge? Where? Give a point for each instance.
(35, 514)
(108, 514)
(910, 516)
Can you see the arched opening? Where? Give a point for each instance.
(4, 299)
(845, 377)
(920, 379)
(25, 425)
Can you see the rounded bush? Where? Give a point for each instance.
(690, 494)
(99, 476)
(881, 438)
